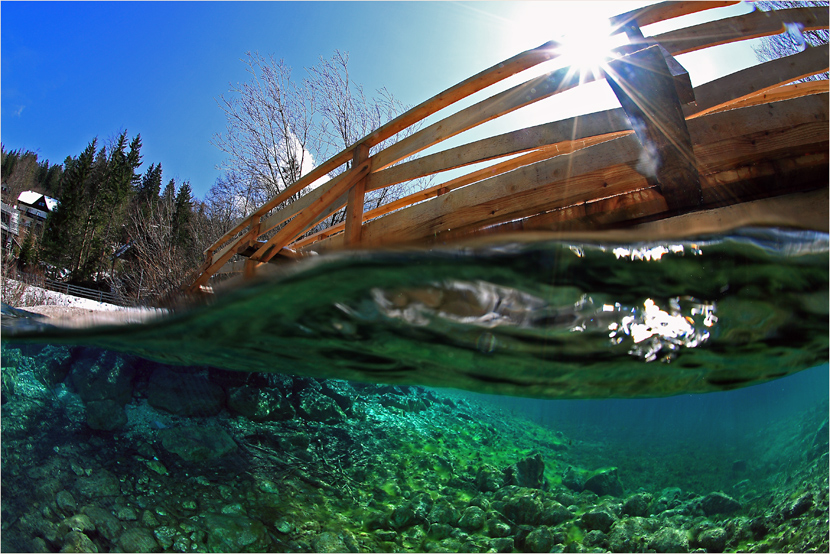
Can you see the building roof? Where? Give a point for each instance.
(30, 197)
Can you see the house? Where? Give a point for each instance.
(34, 208)
(9, 227)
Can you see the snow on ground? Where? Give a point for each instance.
(36, 296)
(65, 306)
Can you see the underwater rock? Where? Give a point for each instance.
(315, 406)
(669, 498)
(104, 381)
(628, 535)
(713, 540)
(105, 415)
(605, 482)
(524, 509)
(472, 519)
(165, 536)
(437, 531)
(595, 539)
(529, 472)
(138, 539)
(259, 404)
(554, 513)
(197, 444)
(497, 528)
(341, 392)
(719, 503)
(597, 519)
(637, 505)
(106, 524)
(184, 394)
(80, 523)
(405, 403)
(668, 539)
(65, 502)
(443, 512)
(799, 506)
(573, 479)
(328, 541)
(539, 540)
(504, 544)
(235, 533)
(489, 478)
(76, 541)
(100, 483)
(103, 375)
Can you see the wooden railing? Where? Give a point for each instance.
(579, 173)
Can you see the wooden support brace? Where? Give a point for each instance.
(354, 207)
(645, 88)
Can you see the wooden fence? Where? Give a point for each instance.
(748, 139)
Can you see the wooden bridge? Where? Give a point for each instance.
(750, 147)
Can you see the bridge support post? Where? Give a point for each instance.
(647, 91)
(357, 194)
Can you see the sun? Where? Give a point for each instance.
(582, 30)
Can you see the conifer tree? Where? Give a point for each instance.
(181, 234)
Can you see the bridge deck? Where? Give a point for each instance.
(750, 147)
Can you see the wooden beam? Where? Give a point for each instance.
(310, 214)
(742, 27)
(780, 94)
(354, 207)
(523, 140)
(756, 80)
(218, 260)
(645, 88)
(662, 12)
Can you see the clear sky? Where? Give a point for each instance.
(71, 71)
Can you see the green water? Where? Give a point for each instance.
(543, 319)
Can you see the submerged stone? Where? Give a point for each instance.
(597, 519)
(489, 478)
(106, 524)
(76, 541)
(65, 502)
(235, 533)
(105, 415)
(605, 482)
(259, 404)
(669, 540)
(138, 539)
(472, 519)
(637, 505)
(185, 394)
(713, 540)
(316, 406)
(539, 540)
(719, 503)
(197, 444)
(529, 472)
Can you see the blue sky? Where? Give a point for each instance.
(71, 71)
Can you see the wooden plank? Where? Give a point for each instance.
(645, 88)
(228, 252)
(523, 140)
(662, 12)
(310, 214)
(742, 27)
(738, 87)
(780, 94)
(354, 207)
